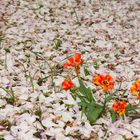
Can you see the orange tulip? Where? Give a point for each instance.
(106, 82)
(120, 107)
(67, 84)
(74, 61)
(135, 89)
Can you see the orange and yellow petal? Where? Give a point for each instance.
(78, 63)
(78, 60)
(120, 107)
(65, 65)
(138, 83)
(107, 77)
(138, 95)
(105, 88)
(71, 61)
(77, 57)
(106, 82)
(135, 88)
(122, 112)
(98, 80)
(111, 85)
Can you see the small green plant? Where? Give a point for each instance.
(96, 65)
(58, 44)
(10, 92)
(7, 50)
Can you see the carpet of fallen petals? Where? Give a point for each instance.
(36, 37)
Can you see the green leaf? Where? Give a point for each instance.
(112, 95)
(131, 108)
(58, 44)
(1, 39)
(113, 116)
(86, 71)
(85, 91)
(83, 106)
(96, 65)
(73, 95)
(123, 94)
(12, 93)
(7, 50)
(93, 112)
(1, 137)
(38, 112)
(10, 100)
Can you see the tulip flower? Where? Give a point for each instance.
(67, 84)
(135, 89)
(75, 62)
(120, 107)
(104, 81)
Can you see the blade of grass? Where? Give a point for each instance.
(52, 75)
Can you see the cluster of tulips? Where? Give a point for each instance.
(88, 103)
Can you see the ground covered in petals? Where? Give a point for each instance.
(36, 37)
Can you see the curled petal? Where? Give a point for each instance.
(71, 61)
(77, 57)
(65, 65)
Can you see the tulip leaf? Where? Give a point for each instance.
(93, 112)
(112, 95)
(123, 94)
(86, 71)
(132, 108)
(85, 91)
(113, 116)
(83, 106)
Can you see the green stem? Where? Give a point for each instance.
(78, 21)
(104, 104)
(31, 81)
(5, 61)
(6, 91)
(11, 93)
